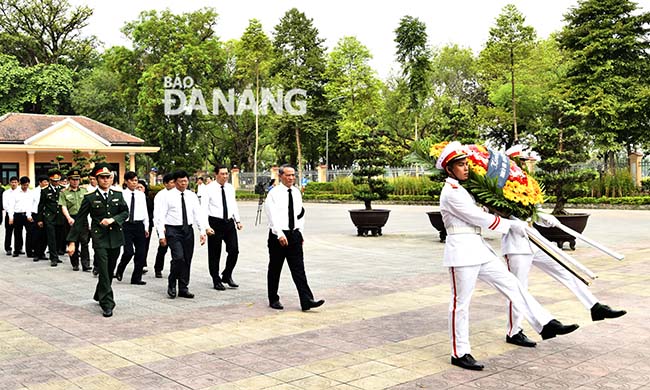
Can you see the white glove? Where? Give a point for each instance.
(548, 220)
(518, 228)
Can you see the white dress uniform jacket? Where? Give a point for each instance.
(463, 221)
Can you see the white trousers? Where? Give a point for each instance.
(520, 266)
(494, 273)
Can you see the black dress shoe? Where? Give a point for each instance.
(118, 276)
(75, 268)
(139, 283)
(86, 269)
(59, 261)
(95, 271)
(107, 312)
(600, 312)
(219, 286)
(36, 259)
(171, 291)
(468, 362)
(15, 255)
(185, 294)
(159, 275)
(231, 283)
(313, 304)
(8, 253)
(53, 264)
(521, 340)
(276, 305)
(21, 252)
(555, 327)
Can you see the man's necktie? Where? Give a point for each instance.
(224, 203)
(292, 224)
(184, 210)
(132, 210)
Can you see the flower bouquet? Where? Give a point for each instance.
(498, 182)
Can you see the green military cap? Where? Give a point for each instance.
(102, 169)
(55, 175)
(74, 174)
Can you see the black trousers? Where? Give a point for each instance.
(20, 223)
(62, 230)
(134, 243)
(51, 232)
(160, 258)
(224, 231)
(181, 243)
(9, 231)
(294, 256)
(39, 240)
(82, 251)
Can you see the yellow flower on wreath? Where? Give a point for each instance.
(436, 149)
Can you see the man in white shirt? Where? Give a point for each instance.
(285, 214)
(39, 238)
(219, 204)
(179, 209)
(168, 182)
(20, 216)
(200, 188)
(6, 200)
(136, 230)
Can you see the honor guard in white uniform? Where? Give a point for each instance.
(521, 255)
(470, 258)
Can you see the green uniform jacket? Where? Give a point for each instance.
(94, 205)
(49, 210)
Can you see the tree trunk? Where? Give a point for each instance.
(257, 123)
(512, 87)
(299, 149)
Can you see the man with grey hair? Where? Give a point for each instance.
(285, 214)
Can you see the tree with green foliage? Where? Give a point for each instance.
(415, 57)
(352, 85)
(299, 62)
(608, 81)
(254, 55)
(170, 45)
(46, 32)
(43, 88)
(509, 44)
(370, 153)
(98, 95)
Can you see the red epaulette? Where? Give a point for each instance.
(454, 186)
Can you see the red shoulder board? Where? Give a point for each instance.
(454, 186)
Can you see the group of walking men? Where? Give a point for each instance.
(124, 218)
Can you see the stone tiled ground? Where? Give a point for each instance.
(384, 324)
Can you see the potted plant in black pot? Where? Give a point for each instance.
(421, 155)
(563, 146)
(369, 183)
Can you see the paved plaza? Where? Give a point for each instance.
(383, 325)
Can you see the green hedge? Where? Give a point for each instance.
(626, 200)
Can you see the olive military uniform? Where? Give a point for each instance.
(107, 240)
(72, 200)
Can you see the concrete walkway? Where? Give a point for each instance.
(384, 323)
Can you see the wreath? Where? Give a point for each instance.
(497, 182)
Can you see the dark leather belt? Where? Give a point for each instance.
(221, 219)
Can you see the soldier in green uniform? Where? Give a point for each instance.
(70, 201)
(49, 213)
(107, 211)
